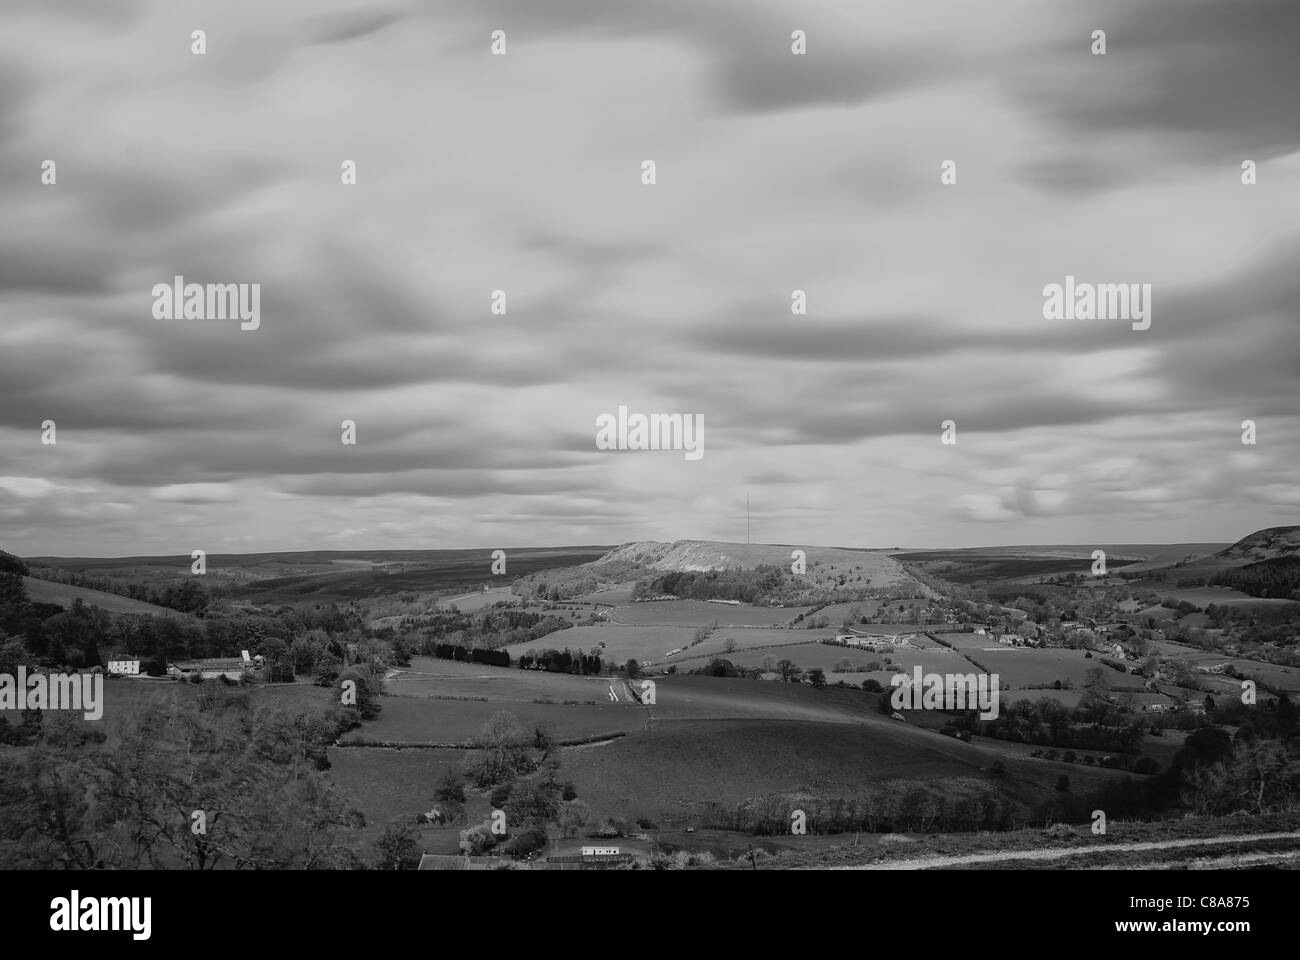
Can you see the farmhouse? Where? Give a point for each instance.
(210, 669)
(124, 668)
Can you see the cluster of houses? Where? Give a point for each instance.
(874, 642)
(211, 668)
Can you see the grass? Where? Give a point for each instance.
(64, 594)
(622, 642)
(427, 721)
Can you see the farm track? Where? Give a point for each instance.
(1062, 853)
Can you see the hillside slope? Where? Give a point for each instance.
(1271, 543)
(63, 594)
(1266, 544)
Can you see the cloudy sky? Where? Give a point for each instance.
(522, 172)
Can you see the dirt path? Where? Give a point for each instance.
(927, 863)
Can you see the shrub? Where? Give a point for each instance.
(1146, 765)
(477, 840)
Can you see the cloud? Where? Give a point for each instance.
(1165, 74)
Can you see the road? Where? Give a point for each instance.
(1061, 853)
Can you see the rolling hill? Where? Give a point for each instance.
(1269, 544)
(63, 595)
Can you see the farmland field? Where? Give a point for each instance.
(63, 595)
(694, 613)
(1026, 667)
(125, 698)
(423, 720)
(388, 784)
(429, 677)
(672, 774)
(467, 603)
(622, 642)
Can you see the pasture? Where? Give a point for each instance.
(695, 613)
(622, 642)
(64, 595)
(673, 774)
(424, 720)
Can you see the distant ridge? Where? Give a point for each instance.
(1266, 544)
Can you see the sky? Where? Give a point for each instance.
(522, 172)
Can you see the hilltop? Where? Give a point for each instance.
(701, 555)
(1267, 544)
(830, 573)
(1272, 546)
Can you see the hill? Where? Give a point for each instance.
(830, 573)
(63, 595)
(1267, 544)
(701, 555)
(1272, 545)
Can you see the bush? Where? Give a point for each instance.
(477, 840)
(1146, 765)
(525, 842)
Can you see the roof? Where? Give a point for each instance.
(219, 663)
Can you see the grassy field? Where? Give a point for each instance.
(672, 774)
(1028, 667)
(622, 642)
(429, 677)
(63, 595)
(125, 698)
(471, 602)
(411, 720)
(694, 613)
(386, 785)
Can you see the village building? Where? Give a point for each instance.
(232, 668)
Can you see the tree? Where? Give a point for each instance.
(477, 840)
(787, 668)
(817, 677)
(729, 645)
(450, 797)
(633, 668)
(504, 743)
(71, 803)
(363, 684)
(397, 848)
(574, 817)
(13, 654)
